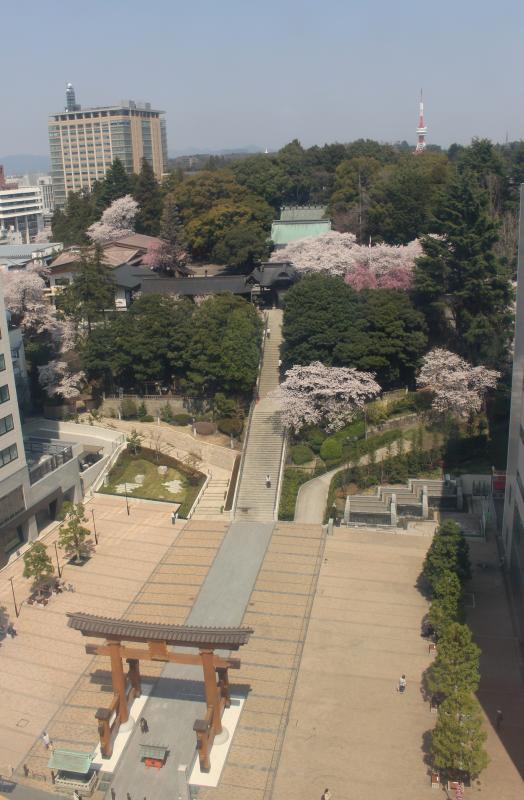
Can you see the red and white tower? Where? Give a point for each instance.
(422, 129)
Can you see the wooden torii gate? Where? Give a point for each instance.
(156, 638)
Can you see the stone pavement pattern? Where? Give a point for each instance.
(263, 449)
(144, 568)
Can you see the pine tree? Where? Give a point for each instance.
(72, 534)
(148, 195)
(172, 232)
(460, 284)
(37, 563)
(457, 740)
(92, 291)
(445, 605)
(456, 666)
(115, 184)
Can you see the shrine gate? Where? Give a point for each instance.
(156, 638)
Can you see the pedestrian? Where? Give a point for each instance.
(402, 684)
(11, 631)
(128, 796)
(46, 740)
(500, 717)
(268, 332)
(268, 481)
(144, 727)
(113, 794)
(76, 796)
(326, 795)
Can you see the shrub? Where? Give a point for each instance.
(205, 428)
(128, 408)
(181, 419)
(141, 411)
(301, 454)
(377, 412)
(224, 406)
(331, 449)
(293, 480)
(314, 437)
(166, 413)
(231, 426)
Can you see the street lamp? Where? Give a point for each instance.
(14, 598)
(94, 526)
(57, 561)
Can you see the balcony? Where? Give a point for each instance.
(45, 455)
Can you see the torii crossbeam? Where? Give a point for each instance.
(156, 638)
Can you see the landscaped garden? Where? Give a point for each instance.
(154, 476)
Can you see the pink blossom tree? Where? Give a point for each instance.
(118, 220)
(57, 378)
(380, 266)
(320, 395)
(24, 294)
(456, 385)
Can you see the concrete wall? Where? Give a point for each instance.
(153, 404)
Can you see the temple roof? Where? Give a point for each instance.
(138, 631)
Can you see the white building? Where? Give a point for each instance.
(21, 214)
(513, 524)
(45, 184)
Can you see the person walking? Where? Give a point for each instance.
(46, 740)
(11, 630)
(144, 727)
(402, 684)
(128, 796)
(268, 332)
(326, 795)
(268, 481)
(113, 794)
(500, 717)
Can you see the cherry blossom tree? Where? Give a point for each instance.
(57, 378)
(24, 294)
(118, 220)
(320, 395)
(380, 266)
(456, 385)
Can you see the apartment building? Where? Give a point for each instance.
(85, 141)
(513, 523)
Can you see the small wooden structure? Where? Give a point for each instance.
(156, 638)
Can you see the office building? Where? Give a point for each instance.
(85, 141)
(21, 214)
(513, 523)
(45, 184)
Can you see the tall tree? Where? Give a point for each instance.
(69, 225)
(456, 666)
(37, 563)
(72, 534)
(460, 284)
(116, 183)
(148, 195)
(172, 232)
(92, 291)
(457, 742)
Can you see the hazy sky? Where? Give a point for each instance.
(231, 73)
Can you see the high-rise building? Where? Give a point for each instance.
(513, 523)
(85, 141)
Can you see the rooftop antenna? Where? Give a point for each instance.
(422, 128)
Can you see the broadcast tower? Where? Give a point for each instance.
(422, 129)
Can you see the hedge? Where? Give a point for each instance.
(293, 480)
(301, 454)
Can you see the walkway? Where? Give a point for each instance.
(312, 496)
(263, 449)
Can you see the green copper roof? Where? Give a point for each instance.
(301, 213)
(285, 232)
(71, 761)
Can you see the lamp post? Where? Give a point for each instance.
(94, 525)
(127, 503)
(14, 598)
(57, 561)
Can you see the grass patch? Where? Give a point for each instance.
(293, 480)
(185, 482)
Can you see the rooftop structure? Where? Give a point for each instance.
(21, 214)
(85, 141)
(18, 256)
(422, 128)
(299, 222)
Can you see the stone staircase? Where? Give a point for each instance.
(393, 502)
(263, 449)
(213, 500)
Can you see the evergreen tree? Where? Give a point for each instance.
(148, 195)
(92, 291)
(457, 742)
(69, 225)
(72, 534)
(172, 232)
(456, 666)
(460, 284)
(116, 184)
(37, 563)
(445, 605)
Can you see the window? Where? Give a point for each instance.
(6, 424)
(2, 362)
(8, 454)
(4, 394)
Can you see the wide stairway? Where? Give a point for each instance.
(263, 449)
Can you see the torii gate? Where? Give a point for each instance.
(157, 637)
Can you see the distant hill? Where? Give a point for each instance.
(22, 164)
(207, 151)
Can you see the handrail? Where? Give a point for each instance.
(199, 496)
(249, 421)
(280, 474)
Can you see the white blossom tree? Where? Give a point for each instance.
(456, 385)
(380, 266)
(320, 395)
(57, 378)
(118, 220)
(24, 293)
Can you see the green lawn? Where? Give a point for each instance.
(178, 485)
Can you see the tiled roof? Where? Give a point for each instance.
(71, 761)
(138, 240)
(25, 250)
(283, 232)
(183, 635)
